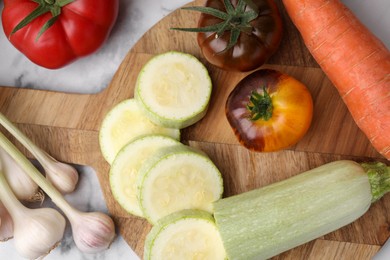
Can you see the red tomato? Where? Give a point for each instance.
(258, 40)
(269, 110)
(81, 28)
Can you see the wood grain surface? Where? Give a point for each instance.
(67, 126)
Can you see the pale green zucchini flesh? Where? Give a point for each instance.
(124, 169)
(186, 234)
(174, 89)
(176, 178)
(125, 122)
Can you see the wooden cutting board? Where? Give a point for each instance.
(67, 125)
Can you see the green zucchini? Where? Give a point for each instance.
(268, 221)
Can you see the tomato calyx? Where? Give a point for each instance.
(260, 106)
(44, 6)
(235, 19)
(252, 5)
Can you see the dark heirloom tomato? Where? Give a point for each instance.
(269, 110)
(258, 40)
(53, 33)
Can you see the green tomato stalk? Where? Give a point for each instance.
(260, 106)
(236, 20)
(44, 6)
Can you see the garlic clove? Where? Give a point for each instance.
(6, 226)
(93, 232)
(22, 185)
(63, 176)
(38, 231)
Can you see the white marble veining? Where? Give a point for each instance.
(93, 73)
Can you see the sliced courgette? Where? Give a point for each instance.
(174, 89)
(187, 234)
(177, 178)
(125, 122)
(124, 169)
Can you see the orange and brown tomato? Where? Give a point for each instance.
(269, 110)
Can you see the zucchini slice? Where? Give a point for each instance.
(125, 122)
(174, 89)
(124, 169)
(176, 178)
(187, 234)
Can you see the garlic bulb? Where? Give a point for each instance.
(92, 231)
(36, 231)
(6, 225)
(21, 184)
(63, 176)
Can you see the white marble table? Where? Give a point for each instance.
(92, 74)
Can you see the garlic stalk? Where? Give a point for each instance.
(6, 225)
(63, 176)
(36, 231)
(21, 184)
(92, 231)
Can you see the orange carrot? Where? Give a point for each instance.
(356, 62)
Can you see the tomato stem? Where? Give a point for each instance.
(235, 19)
(260, 106)
(44, 6)
(252, 5)
(62, 3)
